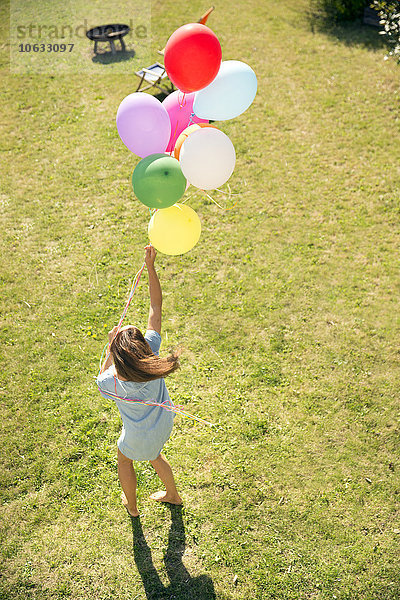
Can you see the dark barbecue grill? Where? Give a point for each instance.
(108, 33)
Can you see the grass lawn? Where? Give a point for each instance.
(287, 309)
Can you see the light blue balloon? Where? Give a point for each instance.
(229, 94)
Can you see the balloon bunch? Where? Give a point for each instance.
(177, 144)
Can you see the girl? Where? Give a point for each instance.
(134, 371)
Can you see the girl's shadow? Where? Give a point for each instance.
(182, 586)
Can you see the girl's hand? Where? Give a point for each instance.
(150, 256)
(112, 333)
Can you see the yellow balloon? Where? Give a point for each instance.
(174, 230)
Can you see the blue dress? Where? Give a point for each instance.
(145, 428)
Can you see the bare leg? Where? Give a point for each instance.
(127, 479)
(164, 471)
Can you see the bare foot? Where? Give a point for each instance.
(132, 513)
(164, 497)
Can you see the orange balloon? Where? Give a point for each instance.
(185, 133)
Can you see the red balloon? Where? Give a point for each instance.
(192, 57)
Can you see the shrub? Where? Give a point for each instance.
(331, 12)
(389, 13)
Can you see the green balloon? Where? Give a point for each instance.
(158, 181)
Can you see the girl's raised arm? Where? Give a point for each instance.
(154, 321)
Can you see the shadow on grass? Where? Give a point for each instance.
(182, 586)
(162, 95)
(352, 34)
(106, 58)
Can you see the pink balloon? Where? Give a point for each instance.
(143, 124)
(179, 107)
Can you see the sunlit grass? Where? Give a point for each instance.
(287, 309)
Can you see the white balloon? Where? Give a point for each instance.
(207, 158)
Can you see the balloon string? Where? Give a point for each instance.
(101, 358)
(131, 293)
(182, 104)
(229, 192)
(215, 202)
(212, 199)
(185, 200)
(174, 408)
(174, 138)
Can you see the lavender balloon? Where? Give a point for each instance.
(143, 124)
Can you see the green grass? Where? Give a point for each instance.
(51, 22)
(287, 309)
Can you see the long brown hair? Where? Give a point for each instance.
(134, 359)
